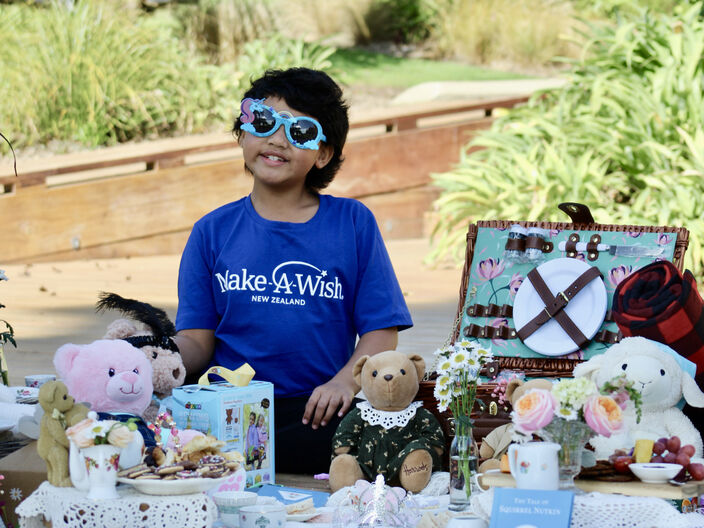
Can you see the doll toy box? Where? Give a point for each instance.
(241, 415)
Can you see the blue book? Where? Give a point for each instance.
(290, 495)
(524, 508)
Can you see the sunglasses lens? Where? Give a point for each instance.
(264, 121)
(304, 130)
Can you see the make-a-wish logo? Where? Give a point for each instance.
(292, 280)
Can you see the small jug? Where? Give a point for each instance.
(534, 465)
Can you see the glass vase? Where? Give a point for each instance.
(464, 456)
(572, 435)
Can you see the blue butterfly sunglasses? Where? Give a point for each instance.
(261, 120)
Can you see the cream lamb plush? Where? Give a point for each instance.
(658, 375)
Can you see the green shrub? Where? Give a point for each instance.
(95, 75)
(625, 136)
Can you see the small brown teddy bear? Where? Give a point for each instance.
(387, 434)
(496, 443)
(154, 339)
(60, 412)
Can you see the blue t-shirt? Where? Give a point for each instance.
(288, 298)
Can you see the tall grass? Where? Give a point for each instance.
(527, 33)
(97, 76)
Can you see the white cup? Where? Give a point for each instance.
(37, 380)
(534, 465)
(229, 504)
(466, 521)
(269, 515)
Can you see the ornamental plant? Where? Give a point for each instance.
(91, 432)
(7, 335)
(624, 135)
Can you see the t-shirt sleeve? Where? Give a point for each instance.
(196, 305)
(379, 302)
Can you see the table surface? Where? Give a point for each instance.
(632, 488)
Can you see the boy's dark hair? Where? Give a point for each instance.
(314, 93)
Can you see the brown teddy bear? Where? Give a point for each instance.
(153, 339)
(387, 434)
(60, 412)
(495, 444)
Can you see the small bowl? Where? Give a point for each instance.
(229, 504)
(655, 472)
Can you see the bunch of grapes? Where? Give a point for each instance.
(671, 451)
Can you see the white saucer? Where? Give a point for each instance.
(587, 309)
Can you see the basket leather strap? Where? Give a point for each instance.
(490, 310)
(554, 306)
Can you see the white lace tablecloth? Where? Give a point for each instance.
(601, 510)
(68, 507)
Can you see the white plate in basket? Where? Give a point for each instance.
(172, 487)
(587, 309)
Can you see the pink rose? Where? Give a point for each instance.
(533, 411)
(120, 435)
(603, 415)
(77, 433)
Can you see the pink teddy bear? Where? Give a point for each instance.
(111, 375)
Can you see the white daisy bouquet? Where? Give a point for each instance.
(457, 367)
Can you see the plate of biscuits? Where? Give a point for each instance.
(179, 478)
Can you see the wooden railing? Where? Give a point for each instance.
(143, 198)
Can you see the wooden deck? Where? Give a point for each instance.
(142, 199)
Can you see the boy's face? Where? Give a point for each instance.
(274, 161)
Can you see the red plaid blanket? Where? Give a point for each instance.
(659, 303)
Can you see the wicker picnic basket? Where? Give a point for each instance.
(495, 415)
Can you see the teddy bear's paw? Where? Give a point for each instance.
(344, 471)
(416, 470)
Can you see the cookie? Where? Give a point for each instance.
(125, 473)
(168, 470)
(186, 474)
(148, 476)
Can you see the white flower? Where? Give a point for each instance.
(459, 358)
(16, 494)
(443, 404)
(444, 366)
(566, 412)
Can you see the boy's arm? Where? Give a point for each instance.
(336, 395)
(196, 346)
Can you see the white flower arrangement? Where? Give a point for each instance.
(457, 367)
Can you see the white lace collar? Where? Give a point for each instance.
(388, 419)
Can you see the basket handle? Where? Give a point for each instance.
(578, 213)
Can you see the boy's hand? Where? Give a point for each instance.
(326, 399)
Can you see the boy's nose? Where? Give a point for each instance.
(279, 137)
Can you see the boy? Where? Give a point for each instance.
(285, 279)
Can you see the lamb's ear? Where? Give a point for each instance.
(590, 368)
(419, 364)
(64, 358)
(691, 392)
(357, 370)
(511, 387)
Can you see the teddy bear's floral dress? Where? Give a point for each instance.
(380, 441)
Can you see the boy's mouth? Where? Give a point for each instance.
(273, 157)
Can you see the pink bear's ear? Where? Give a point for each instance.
(64, 358)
